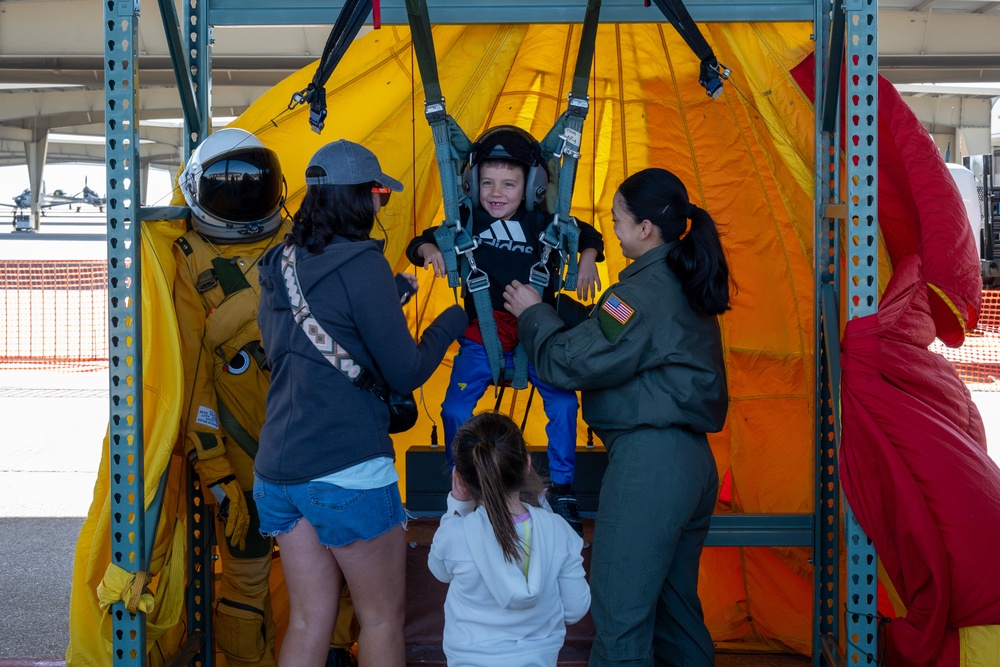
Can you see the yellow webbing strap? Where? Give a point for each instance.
(119, 585)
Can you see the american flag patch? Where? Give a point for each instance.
(617, 309)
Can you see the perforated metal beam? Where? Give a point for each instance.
(861, 624)
(312, 12)
(128, 540)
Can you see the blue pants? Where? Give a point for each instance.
(470, 377)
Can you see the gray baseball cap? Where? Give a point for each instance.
(347, 163)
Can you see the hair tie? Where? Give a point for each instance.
(689, 211)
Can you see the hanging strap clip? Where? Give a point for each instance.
(317, 110)
(578, 106)
(713, 73)
(435, 112)
(300, 97)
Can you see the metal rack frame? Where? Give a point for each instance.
(840, 25)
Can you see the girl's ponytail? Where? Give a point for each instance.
(492, 458)
(486, 461)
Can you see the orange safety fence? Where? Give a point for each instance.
(978, 359)
(54, 314)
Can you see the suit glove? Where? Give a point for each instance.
(217, 475)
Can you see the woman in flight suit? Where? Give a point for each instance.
(649, 363)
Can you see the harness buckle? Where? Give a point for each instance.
(466, 247)
(570, 143)
(476, 280)
(538, 275)
(435, 112)
(578, 106)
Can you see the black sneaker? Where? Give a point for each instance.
(339, 657)
(564, 503)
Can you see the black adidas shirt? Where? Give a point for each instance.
(508, 249)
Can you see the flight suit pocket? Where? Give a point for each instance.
(239, 630)
(232, 324)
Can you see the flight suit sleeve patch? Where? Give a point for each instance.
(613, 316)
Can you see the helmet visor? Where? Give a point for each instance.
(506, 144)
(243, 185)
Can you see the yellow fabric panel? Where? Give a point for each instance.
(161, 416)
(746, 158)
(898, 606)
(980, 646)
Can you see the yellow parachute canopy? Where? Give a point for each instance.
(747, 158)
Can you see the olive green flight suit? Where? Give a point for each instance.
(653, 383)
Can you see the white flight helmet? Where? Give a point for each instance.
(234, 188)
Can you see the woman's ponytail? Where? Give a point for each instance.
(700, 261)
(697, 258)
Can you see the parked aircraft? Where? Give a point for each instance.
(59, 198)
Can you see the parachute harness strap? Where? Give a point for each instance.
(563, 142)
(452, 147)
(711, 72)
(347, 26)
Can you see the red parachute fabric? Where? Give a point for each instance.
(920, 211)
(915, 471)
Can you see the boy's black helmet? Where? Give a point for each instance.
(508, 142)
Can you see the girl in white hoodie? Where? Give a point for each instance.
(514, 569)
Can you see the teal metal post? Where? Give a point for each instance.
(198, 60)
(124, 321)
(197, 35)
(861, 126)
(828, 211)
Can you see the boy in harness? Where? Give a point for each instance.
(506, 181)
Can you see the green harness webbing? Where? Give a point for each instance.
(563, 141)
(452, 147)
(711, 72)
(347, 26)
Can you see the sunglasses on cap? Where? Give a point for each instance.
(382, 192)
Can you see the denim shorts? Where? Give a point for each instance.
(340, 516)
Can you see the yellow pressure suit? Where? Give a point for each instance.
(225, 387)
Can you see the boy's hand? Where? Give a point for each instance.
(432, 257)
(588, 280)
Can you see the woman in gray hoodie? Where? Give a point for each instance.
(325, 485)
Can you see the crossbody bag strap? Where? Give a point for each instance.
(331, 350)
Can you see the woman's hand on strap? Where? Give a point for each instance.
(518, 297)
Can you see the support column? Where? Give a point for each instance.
(862, 292)
(143, 179)
(130, 543)
(34, 154)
